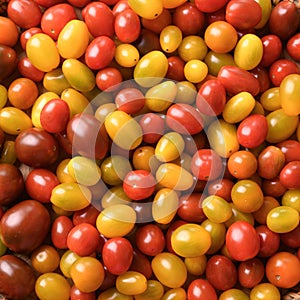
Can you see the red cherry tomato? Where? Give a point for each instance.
(290, 174)
(60, 229)
(251, 272)
(293, 47)
(221, 187)
(291, 149)
(292, 238)
(130, 100)
(28, 70)
(269, 241)
(141, 263)
(262, 75)
(175, 68)
(272, 48)
(210, 6)
(201, 289)
(153, 127)
(108, 79)
(86, 215)
(76, 294)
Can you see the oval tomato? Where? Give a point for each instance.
(289, 175)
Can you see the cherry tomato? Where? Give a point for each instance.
(269, 241)
(76, 294)
(266, 290)
(86, 215)
(108, 79)
(201, 289)
(28, 70)
(147, 9)
(9, 61)
(289, 174)
(293, 46)
(250, 272)
(9, 32)
(272, 48)
(209, 7)
(153, 127)
(291, 150)
(60, 229)
(291, 238)
(131, 283)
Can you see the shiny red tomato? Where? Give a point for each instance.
(291, 149)
(273, 187)
(210, 6)
(141, 263)
(291, 238)
(108, 79)
(175, 68)
(221, 188)
(28, 70)
(272, 48)
(60, 229)
(269, 241)
(293, 47)
(290, 174)
(76, 294)
(251, 272)
(158, 24)
(153, 127)
(262, 75)
(86, 215)
(130, 100)
(201, 289)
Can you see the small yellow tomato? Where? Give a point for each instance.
(154, 291)
(127, 55)
(3, 96)
(148, 9)
(195, 70)
(238, 215)
(177, 293)
(265, 291)
(66, 261)
(234, 294)
(8, 153)
(192, 47)
(104, 110)
(215, 61)
(62, 171)
(291, 198)
(170, 38)
(196, 265)
(270, 99)
(113, 294)
(131, 283)
(115, 195)
(55, 81)
(144, 159)
(186, 92)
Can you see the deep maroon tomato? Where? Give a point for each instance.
(24, 13)
(293, 47)
(8, 62)
(218, 15)
(269, 241)
(272, 48)
(76, 294)
(210, 6)
(242, 241)
(211, 98)
(207, 165)
(221, 188)
(100, 52)
(127, 26)
(64, 143)
(28, 70)
(86, 215)
(55, 116)
(99, 19)
(221, 272)
(291, 149)
(109, 280)
(147, 41)
(108, 79)
(236, 80)
(201, 289)
(153, 127)
(243, 14)
(150, 239)
(60, 229)
(130, 100)
(139, 184)
(250, 272)
(170, 230)
(291, 239)
(252, 131)
(39, 184)
(25, 226)
(117, 254)
(141, 263)
(11, 183)
(262, 75)
(188, 18)
(56, 17)
(27, 34)
(290, 174)
(281, 68)
(36, 147)
(273, 187)
(175, 68)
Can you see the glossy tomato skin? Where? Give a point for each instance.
(27, 34)
(86, 215)
(201, 289)
(76, 294)
(209, 7)
(60, 229)
(293, 47)
(251, 272)
(269, 241)
(272, 48)
(26, 69)
(8, 62)
(153, 127)
(291, 149)
(289, 175)
(175, 68)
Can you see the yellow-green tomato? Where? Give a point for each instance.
(175, 294)
(73, 39)
(154, 291)
(104, 110)
(282, 219)
(238, 107)
(42, 52)
(215, 61)
(169, 269)
(248, 51)
(172, 3)
(151, 68)
(127, 55)
(186, 92)
(192, 47)
(71, 196)
(265, 291)
(195, 70)
(55, 81)
(8, 154)
(270, 99)
(291, 198)
(116, 220)
(66, 261)
(52, 286)
(124, 130)
(3, 96)
(196, 265)
(170, 38)
(78, 75)
(131, 283)
(113, 294)
(266, 7)
(190, 240)
(115, 195)
(234, 294)
(289, 92)
(14, 120)
(148, 9)
(238, 215)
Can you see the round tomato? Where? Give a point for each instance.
(201, 289)
(289, 175)
(269, 241)
(9, 32)
(251, 272)
(272, 48)
(293, 47)
(60, 229)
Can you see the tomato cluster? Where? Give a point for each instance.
(149, 149)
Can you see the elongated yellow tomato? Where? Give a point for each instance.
(55, 81)
(177, 293)
(127, 55)
(124, 130)
(148, 9)
(8, 154)
(270, 99)
(154, 291)
(113, 293)
(73, 39)
(161, 96)
(71, 196)
(62, 171)
(196, 265)
(173, 176)
(248, 51)
(289, 92)
(291, 198)
(42, 52)
(192, 47)
(172, 3)
(3, 96)
(131, 283)
(151, 68)
(78, 75)
(115, 195)
(222, 137)
(13, 120)
(238, 107)
(170, 38)
(266, 7)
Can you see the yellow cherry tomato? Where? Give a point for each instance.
(66, 261)
(127, 55)
(196, 265)
(172, 3)
(265, 291)
(131, 283)
(104, 110)
(192, 47)
(234, 294)
(14, 120)
(3, 96)
(62, 171)
(195, 70)
(55, 81)
(186, 92)
(144, 159)
(8, 154)
(270, 99)
(73, 39)
(172, 294)
(42, 52)
(238, 215)
(71, 196)
(291, 198)
(113, 294)
(154, 291)
(148, 9)
(238, 107)
(215, 61)
(115, 195)
(266, 7)
(170, 38)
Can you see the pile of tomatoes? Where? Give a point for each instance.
(150, 149)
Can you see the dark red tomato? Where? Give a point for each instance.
(99, 19)
(243, 14)
(100, 52)
(56, 17)
(79, 3)
(252, 131)
(251, 272)
(64, 143)
(221, 188)
(39, 184)
(76, 294)
(141, 263)
(291, 149)
(211, 98)
(117, 254)
(188, 18)
(201, 289)
(88, 214)
(83, 239)
(127, 26)
(280, 69)
(269, 241)
(8, 62)
(24, 13)
(207, 165)
(130, 100)
(60, 229)
(28, 70)
(143, 211)
(109, 280)
(293, 47)
(236, 80)
(262, 75)
(284, 19)
(184, 118)
(272, 49)
(210, 6)
(1, 211)
(27, 34)
(242, 241)
(291, 239)
(150, 239)
(55, 115)
(108, 79)
(194, 143)
(36, 147)
(139, 184)
(153, 127)
(175, 68)
(190, 208)
(290, 174)
(273, 187)
(147, 42)
(120, 6)
(218, 15)
(88, 136)
(158, 24)
(170, 230)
